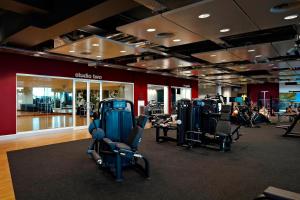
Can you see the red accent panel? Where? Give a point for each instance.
(12, 63)
(254, 91)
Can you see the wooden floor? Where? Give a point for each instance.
(6, 186)
(40, 122)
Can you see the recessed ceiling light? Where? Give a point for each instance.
(151, 29)
(106, 65)
(291, 17)
(71, 51)
(224, 60)
(251, 50)
(123, 51)
(41, 52)
(224, 30)
(95, 45)
(98, 56)
(213, 55)
(75, 60)
(258, 56)
(204, 15)
(36, 54)
(176, 40)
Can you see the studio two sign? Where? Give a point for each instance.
(88, 76)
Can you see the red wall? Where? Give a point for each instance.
(253, 91)
(10, 64)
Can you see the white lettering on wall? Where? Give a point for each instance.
(88, 76)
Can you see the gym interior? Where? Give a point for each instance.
(150, 99)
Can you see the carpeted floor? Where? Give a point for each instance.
(260, 158)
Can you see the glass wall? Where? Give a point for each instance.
(178, 93)
(157, 100)
(43, 103)
(47, 102)
(117, 90)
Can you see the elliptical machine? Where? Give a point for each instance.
(116, 137)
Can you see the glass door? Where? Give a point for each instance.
(95, 97)
(81, 102)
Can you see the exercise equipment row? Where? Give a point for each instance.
(200, 122)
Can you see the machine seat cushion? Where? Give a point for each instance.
(110, 143)
(135, 137)
(120, 145)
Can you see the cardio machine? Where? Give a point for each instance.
(116, 137)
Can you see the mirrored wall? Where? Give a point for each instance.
(53, 102)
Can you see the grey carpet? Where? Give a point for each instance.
(260, 158)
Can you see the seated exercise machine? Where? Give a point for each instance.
(116, 136)
(166, 123)
(208, 127)
(289, 128)
(273, 193)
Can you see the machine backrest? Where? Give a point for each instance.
(223, 127)
(141, 121)
(224, 124)
(135, 137)
(117, 119)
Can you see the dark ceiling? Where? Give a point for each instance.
(37, 25)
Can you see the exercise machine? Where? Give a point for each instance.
(116, 136)
(273, 193)
(208, 127)
(289, 128)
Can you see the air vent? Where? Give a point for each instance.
(285, 7)
(263, 36)
(164, 35)
(255, 73)
(291, 83)
(86, 53)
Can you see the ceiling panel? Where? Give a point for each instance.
(254, 52)
(259, 12)
(223, 14)
(161, 26)
(294, 64)
(164, 63)
(96, 48)
(284, 47)
(222, 77)
(287, 73)
(251, 67)
(217, 56)
(201, 72)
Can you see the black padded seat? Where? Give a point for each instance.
(120, 145)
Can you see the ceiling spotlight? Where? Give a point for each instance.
(72, 51)
(106, 65)
(95, 45)
(151, 29)
(224, 30)
(291, 17)
(251, 50)
(204, 15)
(123, 51)
(36, 54)
(213, 55)
(224, 60)
(258, 56)
(176, 40)
(76, 60)
(98, 56)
